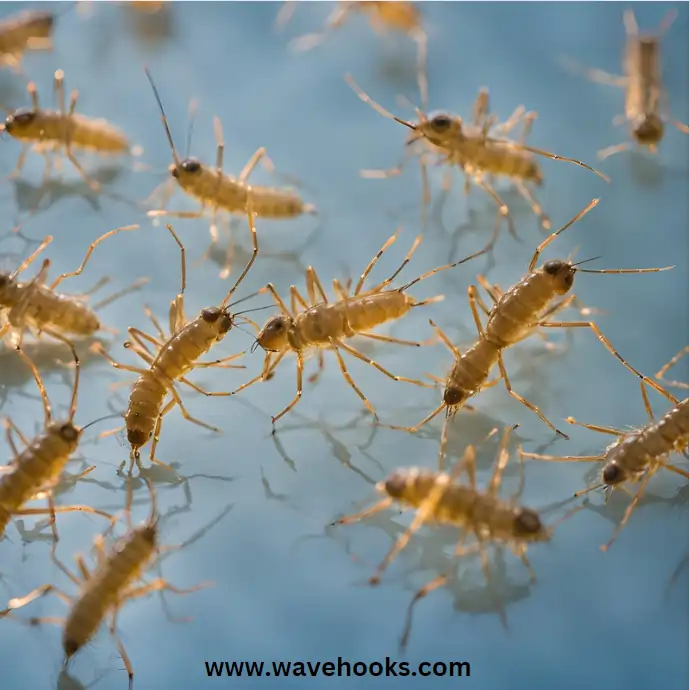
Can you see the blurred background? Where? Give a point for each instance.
(256, 508)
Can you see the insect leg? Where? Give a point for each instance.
(92, 246)
(355, 353)
(335, 19)
(211, 394)
(612, 150)
(630, 509)
(503, 458)
(596, 427)
(11, 426)
(660, 375)
(608, 346)
(186, 414)
(41, 591)
(429, 587)
(555, 234)
(422, 514)
(377, 508)
(535, 206)
(409, 255)
(296, 299)
(124, 367)
(297, 397)
(374, 260)
(524, 401)
(313, 284)
(120, 648)
(398, 341)
(446, 340)
(136, 285)
(221, 363)
(39, 383)
(20, 163)
(503, 208)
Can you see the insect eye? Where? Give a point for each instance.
(211, 314)
(527, 521)
(23, 116)
(453, 395)
(69, 432)
(277, 325)
(225, 323)
(552, 267)
(190, 165)
(395, 484)
(441, 123)
(612, 474)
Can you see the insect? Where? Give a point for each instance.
(646, 106)
(440, 498)
(327, 325)
(476, 153)
(217, 190)
(403, 17)
(62, 130)
(36, 470)
(175, 356)
(515, 314)
(635, 456)
(29, 30)
(36, 306)
(117, 578)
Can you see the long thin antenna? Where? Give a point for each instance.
(163, 117)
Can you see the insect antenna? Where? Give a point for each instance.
(585, 261)
(28, 261)
(190, 127)
(163, 117)
(376, 106)
(102, 419)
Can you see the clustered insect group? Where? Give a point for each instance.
(315, 323)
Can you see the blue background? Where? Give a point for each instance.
(287, 587)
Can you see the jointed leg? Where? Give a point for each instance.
(120, 648)
(525, 402)
(608, 346)
(296, 300)
(596, 427)
(92, 246)
(630, 509)
(390, 339)
(401, 267)
(503, 208)
(11, 426)
(374, 260)
(377, 508)
(669, 365)
(501, 463)
(612, 150)
(355, 353)
(136, 285)
(350, 380)
(20, 602)
(536, 208)
(314, 288)
(321, 366)
(297, 397)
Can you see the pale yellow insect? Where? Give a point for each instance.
(323, 324)
(35, 471)
(218, 191)
(635, 456)
(116, 579)
(646, 106)
(476, 153)
(62, 130)
(28, 30)
(438, 497)
(36, 306)
(175, 356)
(403, 17)
(526, 306)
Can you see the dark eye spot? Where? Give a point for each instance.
(190, 165)
(4, 280)
(612, 474)
(441, 123)
(71, 647)
(527, 522)
(69, 432)
(225, 323)
(453, 396)
(277, 325)
(22, 116)
(211, 315)
(394, 485)
(552, 267)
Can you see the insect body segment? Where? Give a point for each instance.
(526, 306)
(35, 304)
(174, 357)
(38, 468)
(62, 130)
(635, 456)
(326, 325)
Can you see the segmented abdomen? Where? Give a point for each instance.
(64, 313)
